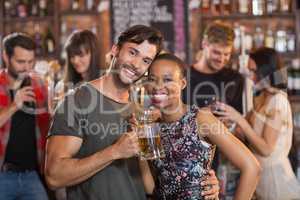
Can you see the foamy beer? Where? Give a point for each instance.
(148, 131)
(149, 141)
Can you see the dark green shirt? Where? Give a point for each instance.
(99, 122)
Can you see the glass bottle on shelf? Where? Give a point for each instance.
(75, 5)
(64, 33)
(291, 41)
(258, 7)
(82, 4)
(281, 41)
(49, 42)
(22, 8)
(290, 85)
(237, 39)
(216, 7)
(243, 6)
(34, 9)
(38, 39)
(94, 28)
(296, 66)
(258, 37)
(269, 38)
(248, 42)
(271, 6)
(205, 5)
(43, 8)
(7, 8)
(298, 163)
(285, 5)
(89, 4)
(226, 6)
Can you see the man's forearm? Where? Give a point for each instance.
(70, 171)
(6, 113)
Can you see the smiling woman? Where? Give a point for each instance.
(82, 63)
(189, 136)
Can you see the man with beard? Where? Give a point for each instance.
(210, 79)
(24, 121)
(89, 142)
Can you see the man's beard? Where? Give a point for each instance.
(13, 73)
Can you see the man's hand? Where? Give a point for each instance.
(127, 146)
(24, 94)
(210, 186)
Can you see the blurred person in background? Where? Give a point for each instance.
(24, 122)
(268, 128)
(83, 61)
(210, 78)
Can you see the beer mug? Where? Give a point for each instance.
(147, 130)
(149, 141)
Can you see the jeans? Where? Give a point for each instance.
(21, 186)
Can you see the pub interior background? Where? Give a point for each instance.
(271, 23)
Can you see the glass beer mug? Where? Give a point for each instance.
(147, 130)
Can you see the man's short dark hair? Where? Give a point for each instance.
(139, 33)
(17, 40)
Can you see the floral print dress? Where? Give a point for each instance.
(188, 157)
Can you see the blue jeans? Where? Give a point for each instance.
(21, 186)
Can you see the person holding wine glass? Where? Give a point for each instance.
(268, 127)
(189, 136)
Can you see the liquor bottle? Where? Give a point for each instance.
(38, 39)
(226, 6)
(94, 28)
(13, 11)
(75, 4)
(285, 5)
(63, 38)
(7, 8)
(280, 41)
(291, 75)
(205, 6)
(216, 7)
(258, 37)
(34, 8)
(298, 163)
(271, 6)
(243, 6)
(43, 8)
(258, 7)
(82, 4)
(269, 38)
(237, 39)
(291, 41)
(49, 42)
(296, 66)
(248, 42)
(22, 8)
(89, 4)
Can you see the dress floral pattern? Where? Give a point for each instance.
(187, 160)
